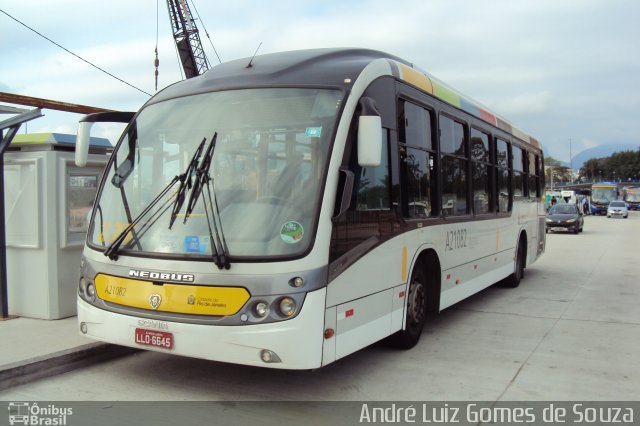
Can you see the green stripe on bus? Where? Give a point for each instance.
(446, 94)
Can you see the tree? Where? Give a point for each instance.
(620, 166)
(592, 168)
(560, 173)
(551, 162)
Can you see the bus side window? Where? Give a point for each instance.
(481, 171)
(503, 187)
(417, 161)
(534, 168)
(454, 161)
(518, 171)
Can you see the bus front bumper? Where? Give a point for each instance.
(297, 342)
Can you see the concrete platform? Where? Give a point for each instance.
(35, 348)
(25, 338)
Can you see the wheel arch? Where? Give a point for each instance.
(524, 240)
(428, 258)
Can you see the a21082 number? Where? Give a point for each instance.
(456, 240)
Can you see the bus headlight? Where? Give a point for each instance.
(267, 309)
(261, 309)
(91, 290)
(87, 290)
(287, 306)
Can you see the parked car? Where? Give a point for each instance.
(564, 217)
(618, 209)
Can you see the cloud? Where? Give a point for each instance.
(525, 104)
(587, 143)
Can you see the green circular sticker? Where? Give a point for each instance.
(291, 232)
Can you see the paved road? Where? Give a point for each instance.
(571, 331)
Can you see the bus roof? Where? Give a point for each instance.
(338, 67)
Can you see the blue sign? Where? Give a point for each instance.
(313, 132)
(192, 244)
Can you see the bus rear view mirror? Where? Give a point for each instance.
(82, 143)
(369, 140)
(84, 131)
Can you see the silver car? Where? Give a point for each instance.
(618, 209)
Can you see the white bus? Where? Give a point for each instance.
(290, 211)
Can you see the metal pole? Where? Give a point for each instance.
(570, 160)
(4, 302)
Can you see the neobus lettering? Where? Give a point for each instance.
(456, 239)
(161, 276)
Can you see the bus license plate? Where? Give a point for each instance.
(157, 339)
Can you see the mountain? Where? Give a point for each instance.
(598, 152)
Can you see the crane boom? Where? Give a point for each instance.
(185, 33)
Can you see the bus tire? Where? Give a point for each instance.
(416, 310)
(513, 280)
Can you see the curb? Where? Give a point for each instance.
(22, 372)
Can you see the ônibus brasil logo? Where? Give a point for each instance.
(26, 413)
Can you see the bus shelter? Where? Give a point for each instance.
(48, 200)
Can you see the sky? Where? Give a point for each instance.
(565, 71)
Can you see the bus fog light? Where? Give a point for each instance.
(269, 357)
(287, 306)
(83, 327)
(261, 309)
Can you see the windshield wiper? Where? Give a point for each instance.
(219, 243)
(202, 175)
(112, 251)
(185, 182)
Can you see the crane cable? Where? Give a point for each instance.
(205, 30)
(157, 61)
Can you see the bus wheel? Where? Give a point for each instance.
(513, 280)
(416, 310)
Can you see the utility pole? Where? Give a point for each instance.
(570, 161)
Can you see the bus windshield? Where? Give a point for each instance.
(266, 171)
(633, 196)
(603, 194)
